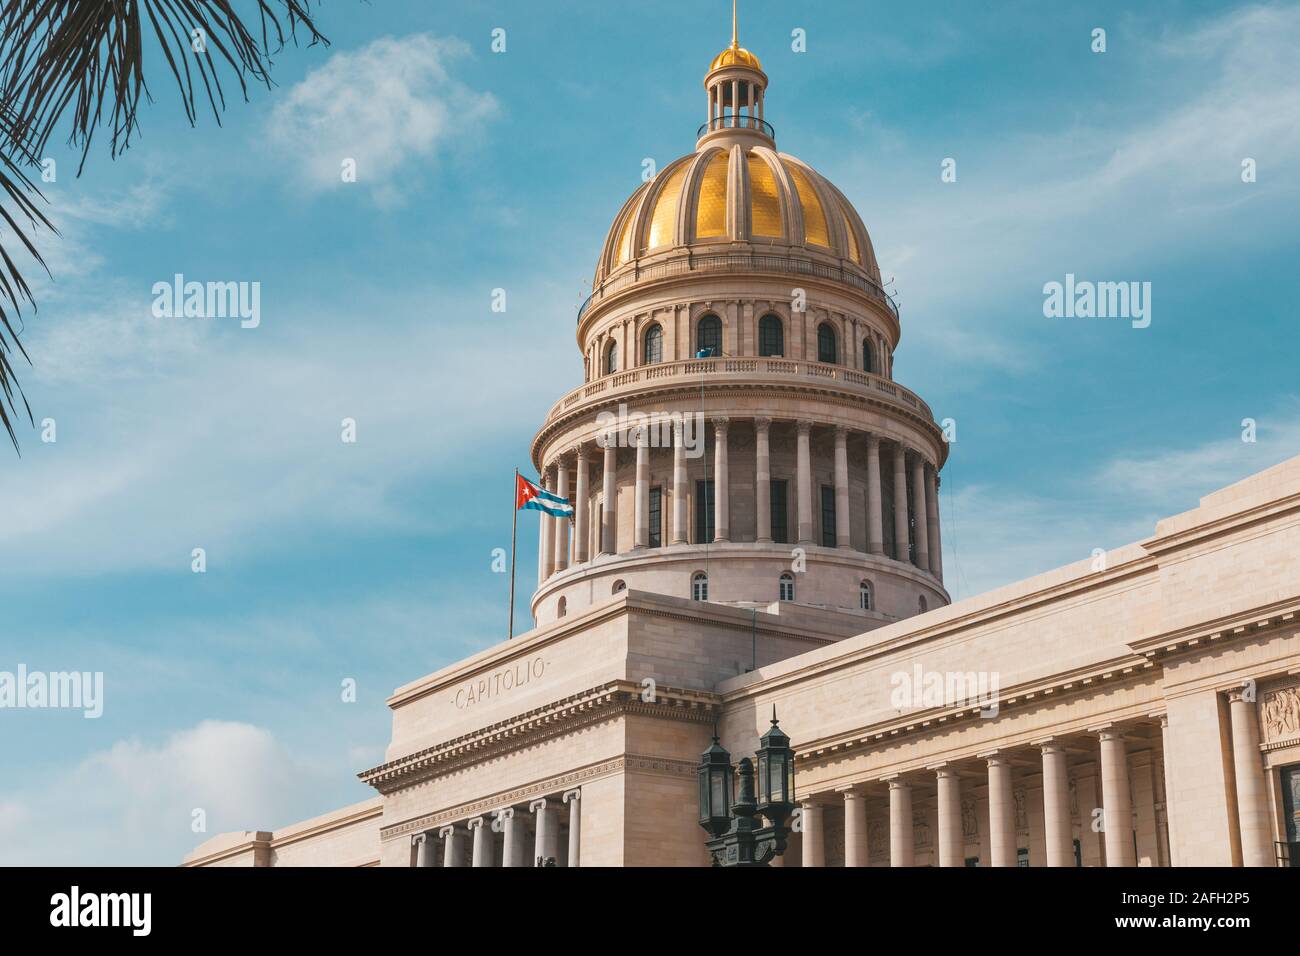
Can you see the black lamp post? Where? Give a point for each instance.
(737, 839)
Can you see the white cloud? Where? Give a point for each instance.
(133, 803)
(384, 105)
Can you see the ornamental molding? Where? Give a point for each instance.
(629, 763)
(556, 719)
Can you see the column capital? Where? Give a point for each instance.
(447, 831)
(841, 432)
(804, 426)
(474, 824)
(897, 783)
(538, 804)
(579, 451)
(721, 423)
(762, 424)
(1237, 695)
(419, 839)
(873, 441)
(571, 795)
(505, 813)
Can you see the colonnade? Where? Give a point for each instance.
(474, 842)
(1113, 801)
(562, 543)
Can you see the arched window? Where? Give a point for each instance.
(699, 586)
(611, 358)
(921, 605)
(619, 585)
(826, 351)
(708, 336)
(786, 586)
(771, 336)
(864, 595)
(654, 345)
(562, 608)
(868, 359)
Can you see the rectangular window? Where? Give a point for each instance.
(1022, 856)
(656, 517)
(780, 528)
(828, 516)
(703, 512)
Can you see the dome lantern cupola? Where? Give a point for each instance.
(735, 85)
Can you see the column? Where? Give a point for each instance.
(1002, 813)
(1169, 793)
(804, 469)
(547, 832)
(900, 503)
(855, 828)
(1252, 795)
(842, 536)
(901, 840)
(814, 836)
(608, 544)
(512, 831)
(574, 799)
(1117, 812)
(580, 534)
(482, 846)
(763, 479)
(951, 842)
(932, 520)
(735, 102)
(1056, 806)
(875, 524)
(561, 529)
(721, 482)
(424, 849)
(641, 499)
(452, 854)
(681, 529)
(545, 555)
(919, 514)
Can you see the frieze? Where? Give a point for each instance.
(1280, 714)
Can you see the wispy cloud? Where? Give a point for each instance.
(391, 102)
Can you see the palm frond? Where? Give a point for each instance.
(82, 63)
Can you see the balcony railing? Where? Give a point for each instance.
(736, 121)
(737, 262)
(766, 367)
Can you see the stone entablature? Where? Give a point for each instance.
(557, 718)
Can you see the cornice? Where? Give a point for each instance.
(1161, 544)
(1022, 696)
(558, 718)
(1190, 639)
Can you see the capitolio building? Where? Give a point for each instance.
(757, 529)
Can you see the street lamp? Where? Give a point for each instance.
(737, 839)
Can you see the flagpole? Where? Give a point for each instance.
(514, 527)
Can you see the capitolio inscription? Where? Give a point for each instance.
(499, 682)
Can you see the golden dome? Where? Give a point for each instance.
(735, 56)
(735, 193)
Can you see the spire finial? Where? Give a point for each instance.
(735, 40)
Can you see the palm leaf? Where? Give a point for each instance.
(81, 63)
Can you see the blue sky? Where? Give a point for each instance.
(477, 170)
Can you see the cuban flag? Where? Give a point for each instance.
(528, 495)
